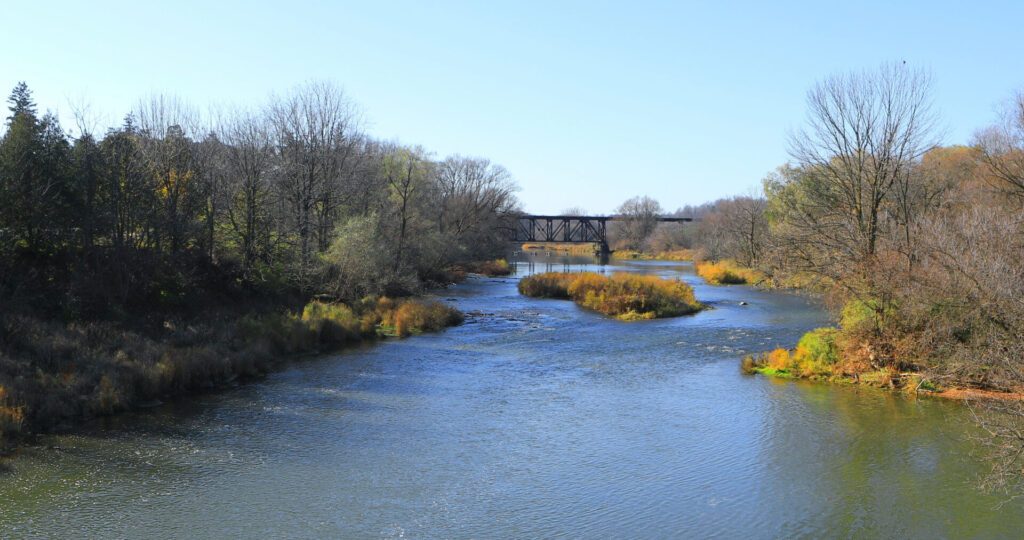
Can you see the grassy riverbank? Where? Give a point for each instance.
(58, 374)
(492, 268)
(621, 295)
(588, 250)
(670, 255)
(728, 272)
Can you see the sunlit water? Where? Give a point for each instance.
(535, 419)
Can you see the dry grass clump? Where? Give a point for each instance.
(622, 295)
(414, 317)
(727, 272)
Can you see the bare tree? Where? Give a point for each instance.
(574, 211)
(168, 126)
(736, 228)
(249, 160)
(1002, 148)
(406, 171)
(639, 217)
(313, 126)
(470, 190)
(864, 134)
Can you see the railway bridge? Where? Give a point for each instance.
(571, 229)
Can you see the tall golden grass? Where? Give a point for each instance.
(727, 272)
(622, 295)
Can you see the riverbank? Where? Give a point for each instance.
(57, 375)
(588, 250)
(901, 382)
(492, 268)
(676, 255)
(818, 357)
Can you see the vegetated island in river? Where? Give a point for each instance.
(625, 296)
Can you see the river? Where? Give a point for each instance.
(534, 419)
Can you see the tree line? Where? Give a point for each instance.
(293, 194)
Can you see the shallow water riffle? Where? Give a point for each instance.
(535, 418)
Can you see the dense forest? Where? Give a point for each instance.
(917, 247)
(293, 194)
(141, 261)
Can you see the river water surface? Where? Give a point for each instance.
(535, 419)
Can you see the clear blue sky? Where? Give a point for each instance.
(587, 103)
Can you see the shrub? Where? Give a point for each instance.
(625, 296)
(864, 316)
(749, 365)
(816, 352)
(779, 360)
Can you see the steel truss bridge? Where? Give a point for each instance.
(570, 229)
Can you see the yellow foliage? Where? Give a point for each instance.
(727, 272)
(175, 183)
(779, 360)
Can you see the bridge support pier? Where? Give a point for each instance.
(604, 252)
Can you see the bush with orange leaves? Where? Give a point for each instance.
(622, 295)
(816, 355)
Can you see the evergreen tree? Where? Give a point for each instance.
(21, 102)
